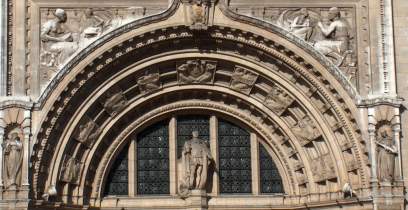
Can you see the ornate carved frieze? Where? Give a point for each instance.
(196, 72)
(149, 82)
(305, 131)
(70, 170)
(88, 132)
(278, 100)
(243, 80)
(114, 103)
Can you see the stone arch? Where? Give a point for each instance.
(316, 90)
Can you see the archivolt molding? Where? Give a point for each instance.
(292, 69)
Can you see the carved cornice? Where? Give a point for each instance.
(379, 101)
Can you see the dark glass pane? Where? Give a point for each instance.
(153, 160)
(234, 158)
(271, 181)
(187, 124)
(117, 183)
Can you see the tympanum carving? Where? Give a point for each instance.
(196, 159)
(386, 154)
(70, 170)
(196, 71)
(243, 80)
(149, 82)
(13, 158)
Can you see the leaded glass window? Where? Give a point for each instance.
(234, 159)
(117, 183)
(153, 160)
(270, 179)
(187, 124)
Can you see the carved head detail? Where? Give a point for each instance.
(334, 13)
(61, 15)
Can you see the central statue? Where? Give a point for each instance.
(196, 158)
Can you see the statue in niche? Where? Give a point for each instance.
(336, 37)
(57, 43)
(13, 159)
(149, 82)
(305, 131)
(88, 132)
(114, 103)
(297, 21)
(196, 71)
(243, 80)
(386, 153)
(278, 100)
(70, 170)
(196, 159)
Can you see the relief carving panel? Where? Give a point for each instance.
(331, 30)
(65, 31)
(196, 72)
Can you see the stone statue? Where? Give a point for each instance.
(386, 154)
(70, 170)
(196, 158)
(278, 100)
(13, 159)
(149, 82)
(305, 131)
(196, 71)
(199, 12)
(336, 37)
(114, 103)
(243, 80)
(57, 44)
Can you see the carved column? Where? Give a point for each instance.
(2, 127)
(26, 125)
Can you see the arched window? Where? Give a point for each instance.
(243, 164)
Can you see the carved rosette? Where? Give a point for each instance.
(196, 72)
(243, 80)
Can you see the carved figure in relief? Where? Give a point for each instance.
(305, 131)
(196, 71)
(88, 132)
(298, 22)
(149, 82)
(336, 35)
(114, 103)
(278, 100)
(386, 154)
(91, 24)
(196, 158)
(243, 80)
(13, 159)
(70, 170)
(57, 43)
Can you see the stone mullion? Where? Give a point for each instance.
(214, 153)
(255, 164)
(173, 155)
(132, 167)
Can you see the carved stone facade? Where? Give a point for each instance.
(312, 82)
